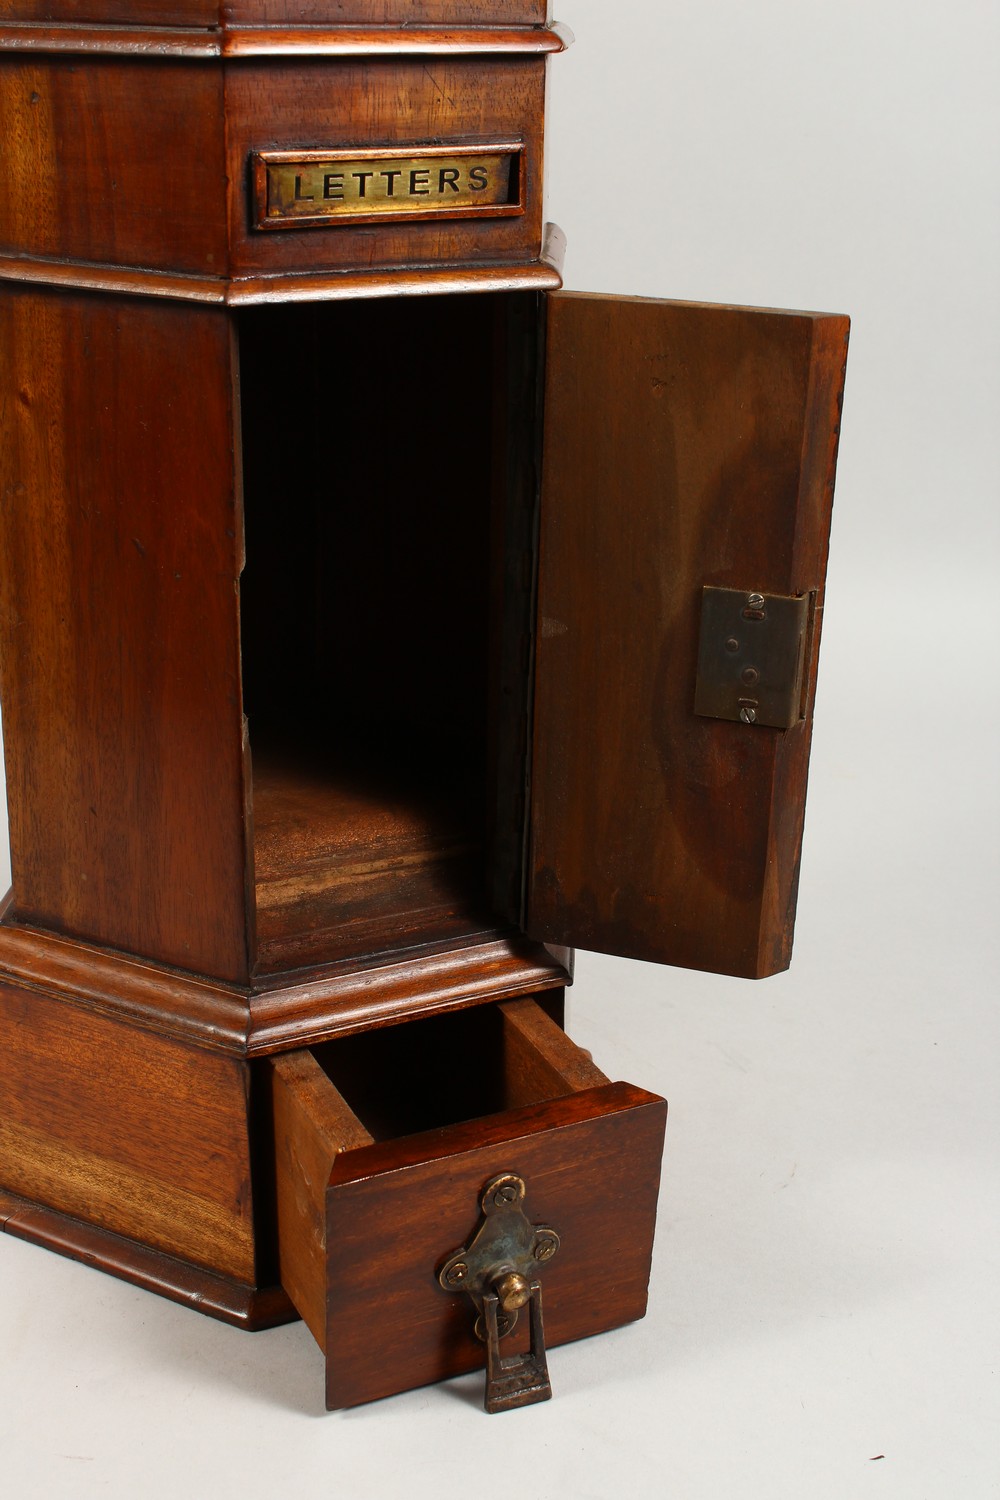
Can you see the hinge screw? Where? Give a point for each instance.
(748, 715)
(755, 601)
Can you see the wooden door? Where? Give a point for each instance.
(685, 445)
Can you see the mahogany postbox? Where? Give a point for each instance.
(378, 623)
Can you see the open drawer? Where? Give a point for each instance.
(384, 1144)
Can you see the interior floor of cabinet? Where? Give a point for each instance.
(358, 858)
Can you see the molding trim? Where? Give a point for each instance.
(285, 1014)
(282, 1011)
(237, 42)
(544, 274)
(247, 1307)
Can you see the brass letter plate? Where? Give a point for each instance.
(751, 656)
(299, 189)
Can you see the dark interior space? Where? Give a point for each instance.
(431, 1073)
(368, 435)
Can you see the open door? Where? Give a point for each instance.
(686, 448)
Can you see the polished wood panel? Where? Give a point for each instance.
(289, 1010)
(257, 291)
(684, 445)
(281, 12)
(544, 274)
(283, 1010)
(119, 626)
(248, 1307)
(84, 277)
(540, 1060)
(80, 139)
(360, 862)
(344, 41)
(141, 1136)
(96, 12)
(370, 102)
(385, 12)
(148, 42)
(95, 168)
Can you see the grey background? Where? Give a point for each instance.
(825, 1282)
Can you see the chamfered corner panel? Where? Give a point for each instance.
(121, 531)
(685, 445)
(138, 1135)
(97, 170)
(111, 12)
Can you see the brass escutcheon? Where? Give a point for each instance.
(498, 1269)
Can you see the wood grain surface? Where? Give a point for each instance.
(164, 43)
(684, 445)
(151, 997)
(395, 1211)
(279, 12)
(291, 1010)
(141, 1136)
(119, 626)
(282, 1011)
(108, 12)
(312, 1124)
(385, 12)
(97, 170)
(383, 102)
(540, 1061)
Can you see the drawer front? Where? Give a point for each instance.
(397, 106)
(367, 1225)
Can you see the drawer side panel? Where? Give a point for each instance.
(121, 534)
(311, 1125)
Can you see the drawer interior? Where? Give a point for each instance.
(438, 1072)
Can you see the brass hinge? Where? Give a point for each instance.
(751, 656)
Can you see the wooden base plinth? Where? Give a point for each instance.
(248, 1307)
